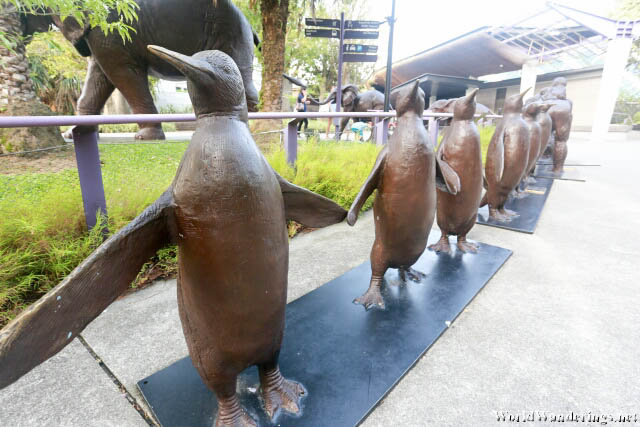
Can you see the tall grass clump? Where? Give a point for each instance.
(333, 169)
(43, 235)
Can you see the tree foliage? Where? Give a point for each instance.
(57, 71)
(96, 13)
(630, 9)
(315, 60)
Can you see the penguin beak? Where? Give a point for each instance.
(472, 96)
(190, 67)
(524, 93)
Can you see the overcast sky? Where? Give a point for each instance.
(424, 23)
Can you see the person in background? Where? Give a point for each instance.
(332, 122)
(301, 107)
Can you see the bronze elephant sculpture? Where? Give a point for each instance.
(185, 26)
(354, 101)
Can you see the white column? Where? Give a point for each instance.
(614, 64)
(434, 93)
(528, 78)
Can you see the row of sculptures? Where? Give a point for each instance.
(526, 132)
(226, 209)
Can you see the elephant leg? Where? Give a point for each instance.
(132, 81)
(343, 124)
(95, 92)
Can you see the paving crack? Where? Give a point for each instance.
(132, 400)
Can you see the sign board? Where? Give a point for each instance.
(359, 57)
(362, 25)
(317, 32)
(355, 34)
(328, 23)
(360, 48)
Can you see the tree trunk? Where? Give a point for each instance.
(17, 95)
(274, 32)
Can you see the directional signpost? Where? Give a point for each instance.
(341, 29)
(322, 32)
(357, 34)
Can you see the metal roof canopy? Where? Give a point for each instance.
(555, 31)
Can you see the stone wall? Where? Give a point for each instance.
(15, 84)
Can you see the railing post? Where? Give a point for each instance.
(90, 174)
(291, 142)
(433, 130)
(382, 131)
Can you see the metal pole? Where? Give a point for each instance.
(339, 86)
(90, 174)
(387, 84)
(291, 142)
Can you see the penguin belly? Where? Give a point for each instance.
(404, 207)
(233, 252)
(516, 157)
(458, 213)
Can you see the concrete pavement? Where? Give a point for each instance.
(555, 330)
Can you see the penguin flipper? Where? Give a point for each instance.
(495, 158)
(52, 322)
(307, 207)
(370, 184)
(447, 179)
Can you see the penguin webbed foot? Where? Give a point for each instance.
(442, 246)
(279, 393)
(498, 216)
(371, 299)
(413, 275)
(243, 420)
(466, 247)
(509, 214)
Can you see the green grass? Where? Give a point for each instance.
(43, 235)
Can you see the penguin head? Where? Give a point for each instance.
(410, 99)
(465, 107)
(213, 81)
(531, 109)
(513, 104)
(545, 107)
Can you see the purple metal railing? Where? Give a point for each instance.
(88, 157)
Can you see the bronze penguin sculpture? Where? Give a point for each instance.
(529, 114)
(226, 209)
(544, 120)
(460, 157)
(507, 158)
(404, 208)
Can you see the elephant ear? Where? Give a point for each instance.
(354, 90)
(75, 33)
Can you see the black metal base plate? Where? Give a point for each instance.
(570, 173)
(529, 208)
(348, 359)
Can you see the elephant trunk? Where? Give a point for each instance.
(332, 96)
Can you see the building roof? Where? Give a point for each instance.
(558, 35)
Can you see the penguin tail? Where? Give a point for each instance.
(52, 322)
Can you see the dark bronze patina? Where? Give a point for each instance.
(185, 26)
(404, 208)
(226, 209)
(507, 158)
(354, 101)
(544, 120)
(460, 160)
(561, 117)
(529, 114)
